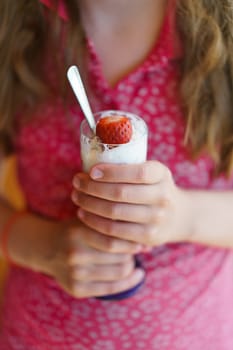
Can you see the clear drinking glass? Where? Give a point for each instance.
(134, 152)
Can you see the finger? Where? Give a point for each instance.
(91, 238)
(131, 232)
(120, 211)
(94, 289)
(124, 193)
(84, 255)
(149, 172)
(107, 272)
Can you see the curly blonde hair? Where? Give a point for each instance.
(206, 28)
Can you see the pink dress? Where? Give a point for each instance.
(187, 300)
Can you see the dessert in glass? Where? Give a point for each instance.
(128, 136)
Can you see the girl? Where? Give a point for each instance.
(171, 63)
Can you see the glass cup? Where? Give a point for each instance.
(134, 152)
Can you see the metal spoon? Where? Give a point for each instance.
(76, 83)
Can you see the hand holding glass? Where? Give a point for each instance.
(93, 151)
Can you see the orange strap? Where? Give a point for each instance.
(6, 232)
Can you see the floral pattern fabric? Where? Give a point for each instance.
(187, 299)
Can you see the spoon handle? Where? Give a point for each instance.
(75, 80)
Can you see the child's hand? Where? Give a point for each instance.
(135, 203)
(84, 262)
(84, 271)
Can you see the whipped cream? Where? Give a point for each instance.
(93, 151)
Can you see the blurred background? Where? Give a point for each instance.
(10, 190)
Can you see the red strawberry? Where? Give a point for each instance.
(114, 129)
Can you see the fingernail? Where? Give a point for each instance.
(74, 196)
(76, 182)
(80, 213)
(139, 248)
(96, 173)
